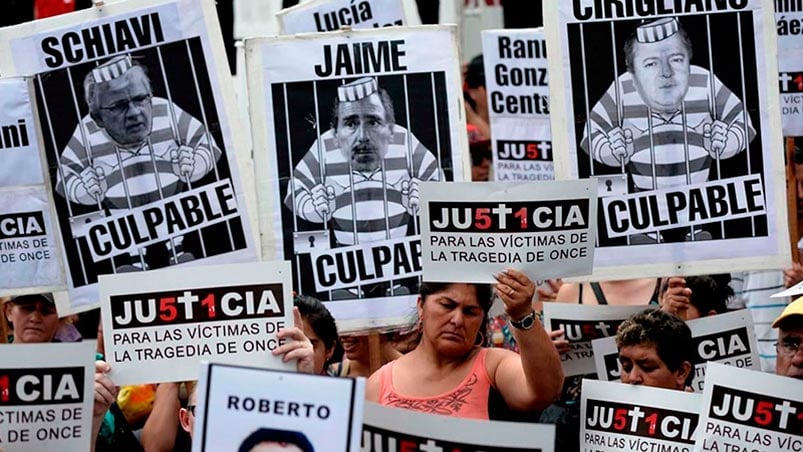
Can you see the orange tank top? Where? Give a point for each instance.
(468, 400)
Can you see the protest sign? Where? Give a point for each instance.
(159, 326)
(46, 397)
(472, 231)
(240, 407)
(794, 291)
(617, 417)
(19, 141)
(518, 104)
(139, 131)
(28, 253)
(396, 429)
(332, 15)
(344, 138)
(684, 148)
(724, 338)
(582, 324)
(789, 23)
(750, 411)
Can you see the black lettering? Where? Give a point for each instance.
(54, 58)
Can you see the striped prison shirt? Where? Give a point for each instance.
(136, 175)
(372, 201)
(665, 140)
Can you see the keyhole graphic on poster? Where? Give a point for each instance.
(608, 183)
(312, 242)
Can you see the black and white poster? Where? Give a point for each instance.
(19, 142)
(343, 140)
(332, 15)
(517, 86)
(46, 397)
(670, 106)
(247, 409)
(140, 134)
(789, 23)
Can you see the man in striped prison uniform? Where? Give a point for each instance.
(664, 115)
(366, 171)
(132, 149)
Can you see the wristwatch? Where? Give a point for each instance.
(525, 323)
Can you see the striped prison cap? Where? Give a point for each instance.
(358, 89)
(657, 30)
(112, 69)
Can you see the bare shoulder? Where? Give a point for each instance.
(495, 357)
(568, 293)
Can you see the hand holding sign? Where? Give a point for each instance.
(793, 275)
(560, 342)
(677, 297)
(516, 290)
(297, 347)
(105, 395)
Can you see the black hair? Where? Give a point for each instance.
(798, 155)
(484, 297)
(670, 336)
(710, 292)
(480, 151)
(630, 46)
(274, 435)
(318, 317)
(475, 72)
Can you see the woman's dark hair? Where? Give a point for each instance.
(484, 298)
(670, 336)
(318, 317)
(277, 436)
(709, 293)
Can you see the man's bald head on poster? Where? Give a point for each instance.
(659, 56)
(363, 120)
(119, 94)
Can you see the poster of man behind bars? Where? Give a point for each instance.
(674, 111)
(343, 139)
(139, 149)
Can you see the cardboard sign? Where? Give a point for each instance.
(46, 396)
(472, 231)
(749, 410)
(159, 327)
(340, 195)
(392, 429)
(332, 15)
(691, 180)
(789, 23)
(29, 256)
(240, 407)
(146, 183)
(724, 338)
(518, 104)
(581, 324)
(19, 140)
(616, 417)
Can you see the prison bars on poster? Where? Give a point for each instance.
(588, 113)
(619, 108)
(713, 96)
(292, 186)
(60, 171)
(209, 140)
(408, 138)
(745, 117)
(321, 167)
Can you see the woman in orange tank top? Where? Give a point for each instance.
(450, 373)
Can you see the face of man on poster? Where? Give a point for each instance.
(661, 72)
(123, 107)
(363, 130)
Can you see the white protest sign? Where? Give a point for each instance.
(748, 410)
(162, 188)
(392, 429)
(46, 397)
(240, 407)
(28, 253)
(518, 104)
(617, 417)
(472, 231)
(689, 173)
(789, 23)
(160, 326)
(344, 214)
(332, 15)
(793, 291)
(19, 141)
(581, 324)
(724, 338)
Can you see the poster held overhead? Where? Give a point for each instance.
(332, 15)
(160, 326)
(241, 407)
(140, 133)
(674, 110)
(789, 23)
(344, 140)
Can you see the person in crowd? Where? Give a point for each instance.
(275, 440)
(655, 349)
(186, 415)
(357, 356)
(696, 296)
(451, 373)
(790, 335)
(32, 318)
(476, 97)
(480, 150)
(320, 328)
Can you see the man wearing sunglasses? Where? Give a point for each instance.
(789, 362)
(133, 149)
